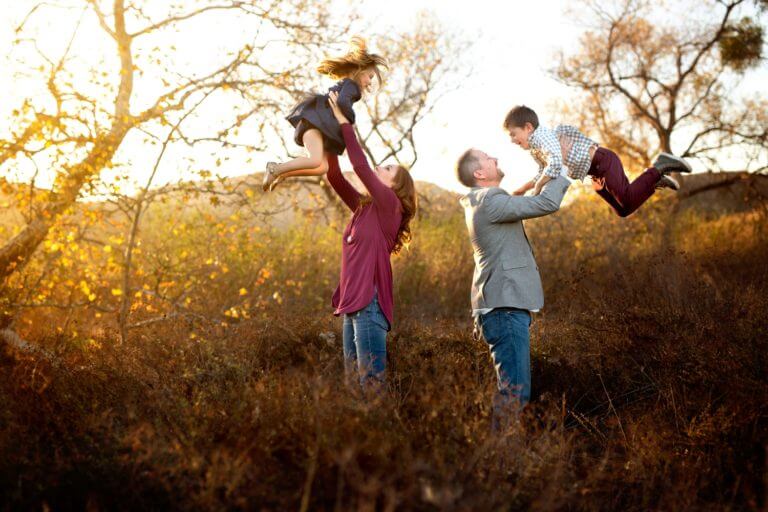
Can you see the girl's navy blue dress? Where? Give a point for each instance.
(314, 111)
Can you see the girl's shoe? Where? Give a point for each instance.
(270, 176)
(278, 179)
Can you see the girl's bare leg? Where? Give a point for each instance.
(312, 165)
(316, 164)
(315, 171)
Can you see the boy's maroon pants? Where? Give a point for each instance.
(623, 196)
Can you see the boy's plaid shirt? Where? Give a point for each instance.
(545, 149)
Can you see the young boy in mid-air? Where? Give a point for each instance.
(582, 156)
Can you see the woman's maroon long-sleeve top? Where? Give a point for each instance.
(369, 236)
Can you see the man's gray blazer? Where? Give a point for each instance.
(506, 274)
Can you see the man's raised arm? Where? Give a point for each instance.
(502, 207)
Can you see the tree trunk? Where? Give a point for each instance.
(17, 252)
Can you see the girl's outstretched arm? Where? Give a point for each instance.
(343, 188)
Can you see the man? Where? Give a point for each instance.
(506, 286)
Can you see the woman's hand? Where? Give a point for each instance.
(598, 183)
(333, 97)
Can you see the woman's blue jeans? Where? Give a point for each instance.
(506, 332)
(365, 344)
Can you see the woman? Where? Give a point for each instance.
(379, 227)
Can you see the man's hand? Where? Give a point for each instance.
(540, 184)
(566, 143)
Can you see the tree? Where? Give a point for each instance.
(79, 133)
(425, 64)
(96, 116)
(647, 86)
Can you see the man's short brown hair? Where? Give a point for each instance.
(466, 166)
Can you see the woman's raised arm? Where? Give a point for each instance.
(343, 188)
(380, 193)
(378, 190)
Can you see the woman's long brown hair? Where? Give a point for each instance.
(405, 190)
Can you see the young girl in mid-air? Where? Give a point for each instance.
(316, 128)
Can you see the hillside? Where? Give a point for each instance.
(649, 363)
(721, 193)
(710, 193)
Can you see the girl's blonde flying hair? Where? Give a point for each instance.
(351, 63)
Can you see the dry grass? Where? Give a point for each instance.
(650, 390)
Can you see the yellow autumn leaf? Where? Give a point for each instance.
(117, 292)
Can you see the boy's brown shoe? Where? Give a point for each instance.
(667, 182)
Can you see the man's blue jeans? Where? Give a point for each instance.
(506, 332)
(365, 343)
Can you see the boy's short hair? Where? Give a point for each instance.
(466, 167)
(520, 115)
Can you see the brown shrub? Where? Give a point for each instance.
(650, 387)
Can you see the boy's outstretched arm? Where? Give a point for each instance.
(549, 144)
(525, 187)
(540, 184)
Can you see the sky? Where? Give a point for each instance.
(472, 116)
(513, 46)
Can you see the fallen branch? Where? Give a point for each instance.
(11, 338)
